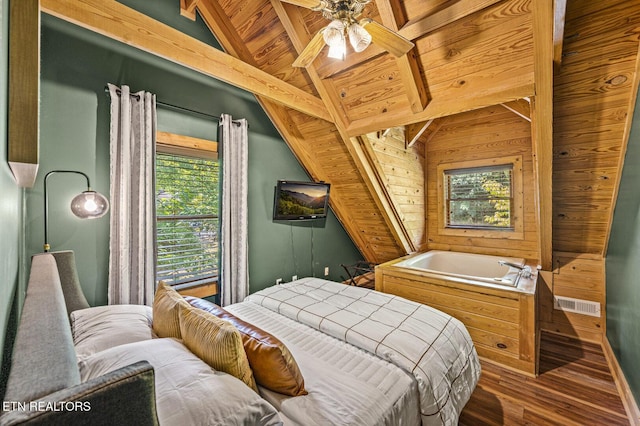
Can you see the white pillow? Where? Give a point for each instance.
(188, 391)
(103, 327)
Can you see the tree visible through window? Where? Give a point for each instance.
(187, 219)
(479, 197)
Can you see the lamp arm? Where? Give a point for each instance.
(47, 247)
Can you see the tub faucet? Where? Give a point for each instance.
(525, 271)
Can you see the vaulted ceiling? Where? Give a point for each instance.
(468, 55)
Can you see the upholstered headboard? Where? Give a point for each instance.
(44, 380)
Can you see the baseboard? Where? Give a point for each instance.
(630, 405)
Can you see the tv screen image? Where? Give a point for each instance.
(300, 200)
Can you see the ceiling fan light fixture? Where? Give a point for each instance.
(338, 50)
(359, 37)
(334, 33)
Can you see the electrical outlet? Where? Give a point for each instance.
(279, 281)
(326, 271)
(293, 278)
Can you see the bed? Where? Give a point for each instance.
(367, 358)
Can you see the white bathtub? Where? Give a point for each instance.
(468, 266)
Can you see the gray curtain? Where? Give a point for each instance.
(132, 171)
(234, 271)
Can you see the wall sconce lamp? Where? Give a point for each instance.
(88, 204)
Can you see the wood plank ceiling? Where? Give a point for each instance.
(468, 54)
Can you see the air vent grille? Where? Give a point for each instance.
(578, 306)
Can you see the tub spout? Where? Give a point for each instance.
(525, 271)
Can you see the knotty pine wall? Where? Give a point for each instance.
(482, 134)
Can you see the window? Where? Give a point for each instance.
(481, 198)
(187, 201)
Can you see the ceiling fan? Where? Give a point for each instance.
(344, 24)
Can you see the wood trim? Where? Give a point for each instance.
(629, 402)
(121, 23)
(204, 290)
(542, 126)
(414, 131)
(24, 91)
(623, 151)
(186, 145)
(188, 8)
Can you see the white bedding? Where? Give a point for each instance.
(429, 344)
(346, 385)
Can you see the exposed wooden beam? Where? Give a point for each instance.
(188, 9)
(390, 12)
(293, 22)
(219, 25)
(542, 125)
(24, 95)
(414, 131)
(121, 23)
(509, 90)
(559, 12)
(458, 10)
(521, 108)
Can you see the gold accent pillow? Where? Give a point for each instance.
(217, 342)
(167, 305)
(270, 360)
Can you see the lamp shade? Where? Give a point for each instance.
(89, 205)
(359, 37)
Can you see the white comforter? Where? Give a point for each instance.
(433, 346)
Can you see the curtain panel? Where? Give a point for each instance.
(234, 268)
(132, 166)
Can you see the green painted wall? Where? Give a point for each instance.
(76, 66)
(10, 213)
(623, 265)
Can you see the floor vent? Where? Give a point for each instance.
(578, 306)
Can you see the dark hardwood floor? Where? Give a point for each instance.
(575, 387)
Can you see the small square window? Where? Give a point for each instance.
(479, 197)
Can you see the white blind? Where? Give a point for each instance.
(187, 219)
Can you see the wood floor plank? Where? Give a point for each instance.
(575, 387)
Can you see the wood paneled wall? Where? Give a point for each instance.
(482, 134)
(403, 175)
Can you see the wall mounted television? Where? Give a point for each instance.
(296, 200)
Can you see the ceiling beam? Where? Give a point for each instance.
(121, 23)
(542, 126)
(188, 8)
(390, 12)
(509, 90)
(521, 108)
(458, 10)
(413, 132)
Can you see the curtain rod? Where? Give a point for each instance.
(166, 105)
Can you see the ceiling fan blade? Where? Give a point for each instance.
(310, 52)
(309, 4)
(389, 40)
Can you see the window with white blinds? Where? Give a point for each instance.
(479, 197)
(187, 202)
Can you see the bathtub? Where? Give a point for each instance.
(467, 266)
(495, 302)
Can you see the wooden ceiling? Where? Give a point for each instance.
(469, 55)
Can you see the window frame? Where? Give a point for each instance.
(175, 144)
(517, 208)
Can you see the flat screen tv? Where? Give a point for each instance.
(300, 200)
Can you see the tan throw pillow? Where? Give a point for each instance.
(271, 361)
(216, 342)
(167, 305)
